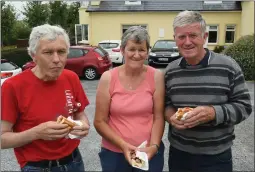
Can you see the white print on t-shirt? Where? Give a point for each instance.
(69, 101)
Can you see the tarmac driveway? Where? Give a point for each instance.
(243, 149)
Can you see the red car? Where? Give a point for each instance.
(86, 61)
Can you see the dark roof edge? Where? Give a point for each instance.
(98, 11)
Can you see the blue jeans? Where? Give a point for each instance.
(76, 165)
(116, 162)
(180, 161)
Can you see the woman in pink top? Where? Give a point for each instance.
(129, 107)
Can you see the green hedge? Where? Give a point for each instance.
(243, 53)
(18, 56)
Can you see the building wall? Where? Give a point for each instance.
(247, 18)
(108, 25)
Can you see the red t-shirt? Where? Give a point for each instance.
(28, 101)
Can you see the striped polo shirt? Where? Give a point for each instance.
(217, 81)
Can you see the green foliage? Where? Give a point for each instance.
(243, 53)
(218, 48)
(21, 30)
(7, 23)
(59, 13)
(36, 13)
(19, 56)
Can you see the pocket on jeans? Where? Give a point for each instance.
(225, 156)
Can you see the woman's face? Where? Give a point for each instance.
(135, 53)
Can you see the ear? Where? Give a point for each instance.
(34, 58)
(205, 36)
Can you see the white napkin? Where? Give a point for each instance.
(78, 122)
(143, 156)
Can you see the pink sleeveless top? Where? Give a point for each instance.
(131, 111)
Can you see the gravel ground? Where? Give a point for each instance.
(243, 149)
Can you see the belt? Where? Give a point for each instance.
(51, 163)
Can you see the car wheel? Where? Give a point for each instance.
(90, 73)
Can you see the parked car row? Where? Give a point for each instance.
(92, 61)
(162, 52)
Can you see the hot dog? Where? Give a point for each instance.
(136, 161)
(181, 113)
(63, 120)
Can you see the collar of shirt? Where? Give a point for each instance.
(204, 62)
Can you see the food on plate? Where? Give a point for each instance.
(136, 161)
(182, 112)
(63, 120)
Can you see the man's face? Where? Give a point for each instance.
(190, 40)
(51, 57)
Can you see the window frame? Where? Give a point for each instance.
(226, 29)
(82, 32)
(217, 30)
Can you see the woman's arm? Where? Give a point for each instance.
(102, 111)
(158, 109)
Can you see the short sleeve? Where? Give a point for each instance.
(80, 95)
(9, 103)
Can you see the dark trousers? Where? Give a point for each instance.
(180, 161)
(116, 162)
(75, 165)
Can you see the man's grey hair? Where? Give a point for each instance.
(189, 17)
(136, 33)
(48, 32)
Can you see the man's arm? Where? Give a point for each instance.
(47, 131)
(239, 106)
(10, 139)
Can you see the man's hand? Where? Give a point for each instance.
(51, 130)
(176, 123)
(199, 115)
(82, 130)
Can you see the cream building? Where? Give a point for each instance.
(226, 21)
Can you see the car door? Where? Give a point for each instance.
(75, 60)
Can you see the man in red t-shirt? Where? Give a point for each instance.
(32, 101)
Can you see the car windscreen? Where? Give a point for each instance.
(164, 45)
(108, 45)
(7, 66)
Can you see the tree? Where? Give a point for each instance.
(72, 19)
(36, 13)
(59, 13)
(7, 22)
(21, 30)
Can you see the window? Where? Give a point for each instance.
(125, 27)
(212, 2)
(132, 2)
(230, 34)
(213, 34)
(74, 53)
(81, 32)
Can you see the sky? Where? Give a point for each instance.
(18, 5)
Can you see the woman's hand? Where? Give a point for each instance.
(150, 151)
(127, 149)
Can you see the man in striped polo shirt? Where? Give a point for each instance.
(212, 84)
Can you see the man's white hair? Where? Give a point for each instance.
(48, 32)
(189, 17)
